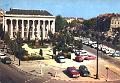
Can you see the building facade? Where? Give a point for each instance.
(115, 23)
(32, 23)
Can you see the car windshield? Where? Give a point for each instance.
(61, 57)
(2, 55)
(117, 53)
(85, 69)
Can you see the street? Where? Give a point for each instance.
(10, 74)
(110, 63)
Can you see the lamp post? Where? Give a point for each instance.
(97, 61)
(97, 77)
(107, 73)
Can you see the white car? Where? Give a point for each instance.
(116, 54)
(86, 42)
(94, 45)
(92, 42)
(2, 56)
(104, 48)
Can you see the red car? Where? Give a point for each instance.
(79, 58)
(90, 57)
(73, 72)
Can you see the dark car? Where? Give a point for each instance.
(73, 72)
(6, 60)
(84, 71)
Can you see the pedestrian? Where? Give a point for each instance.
(41, 52)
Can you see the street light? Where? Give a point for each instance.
(97, 61)
(107, 73)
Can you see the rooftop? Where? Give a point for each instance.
(28, 12)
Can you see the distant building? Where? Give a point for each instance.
(112, 21)
(32, 23)
(70, 19)
(115, 24)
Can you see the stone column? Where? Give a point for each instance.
(53, 27)
(33, 35)
(28, 28)
(22, 28)
(11, 29)
(6, 27)
(47, 29)
(38, 29)
(43, 29)
(48, 25)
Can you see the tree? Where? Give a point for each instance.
(6, 38)
(89, 23)
(74, 23)
(103, 23)
(20, 50)
(1, 32)
(78, 44)
(60, 23)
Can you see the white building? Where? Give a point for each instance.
(30, 23)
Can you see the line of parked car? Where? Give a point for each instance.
(79, 56)
(82, 55)
(83, 71)
(105, 49)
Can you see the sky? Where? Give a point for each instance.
(67, 8)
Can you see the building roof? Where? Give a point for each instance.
(29, 12)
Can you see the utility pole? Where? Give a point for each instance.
(97, 61)
(97, 54)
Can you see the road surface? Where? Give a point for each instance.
(10, 74)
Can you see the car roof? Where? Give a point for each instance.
(83, 66)
(7, 58)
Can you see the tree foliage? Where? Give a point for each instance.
(6, 38)
(1, 32)
(89, 23)
(103, 24)
(60, 23)
(78, 44)
(75, 23)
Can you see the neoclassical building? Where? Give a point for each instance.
(32, 23)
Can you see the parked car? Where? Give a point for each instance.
(79, 58)
(73, 72)
(104, 49)
(91, 42)
(60, 59)
(6, 60)
(94, 45)
(84, 71)
(90, 57)
(2, 55)
(116, 54)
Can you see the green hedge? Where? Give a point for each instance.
(26, 58)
